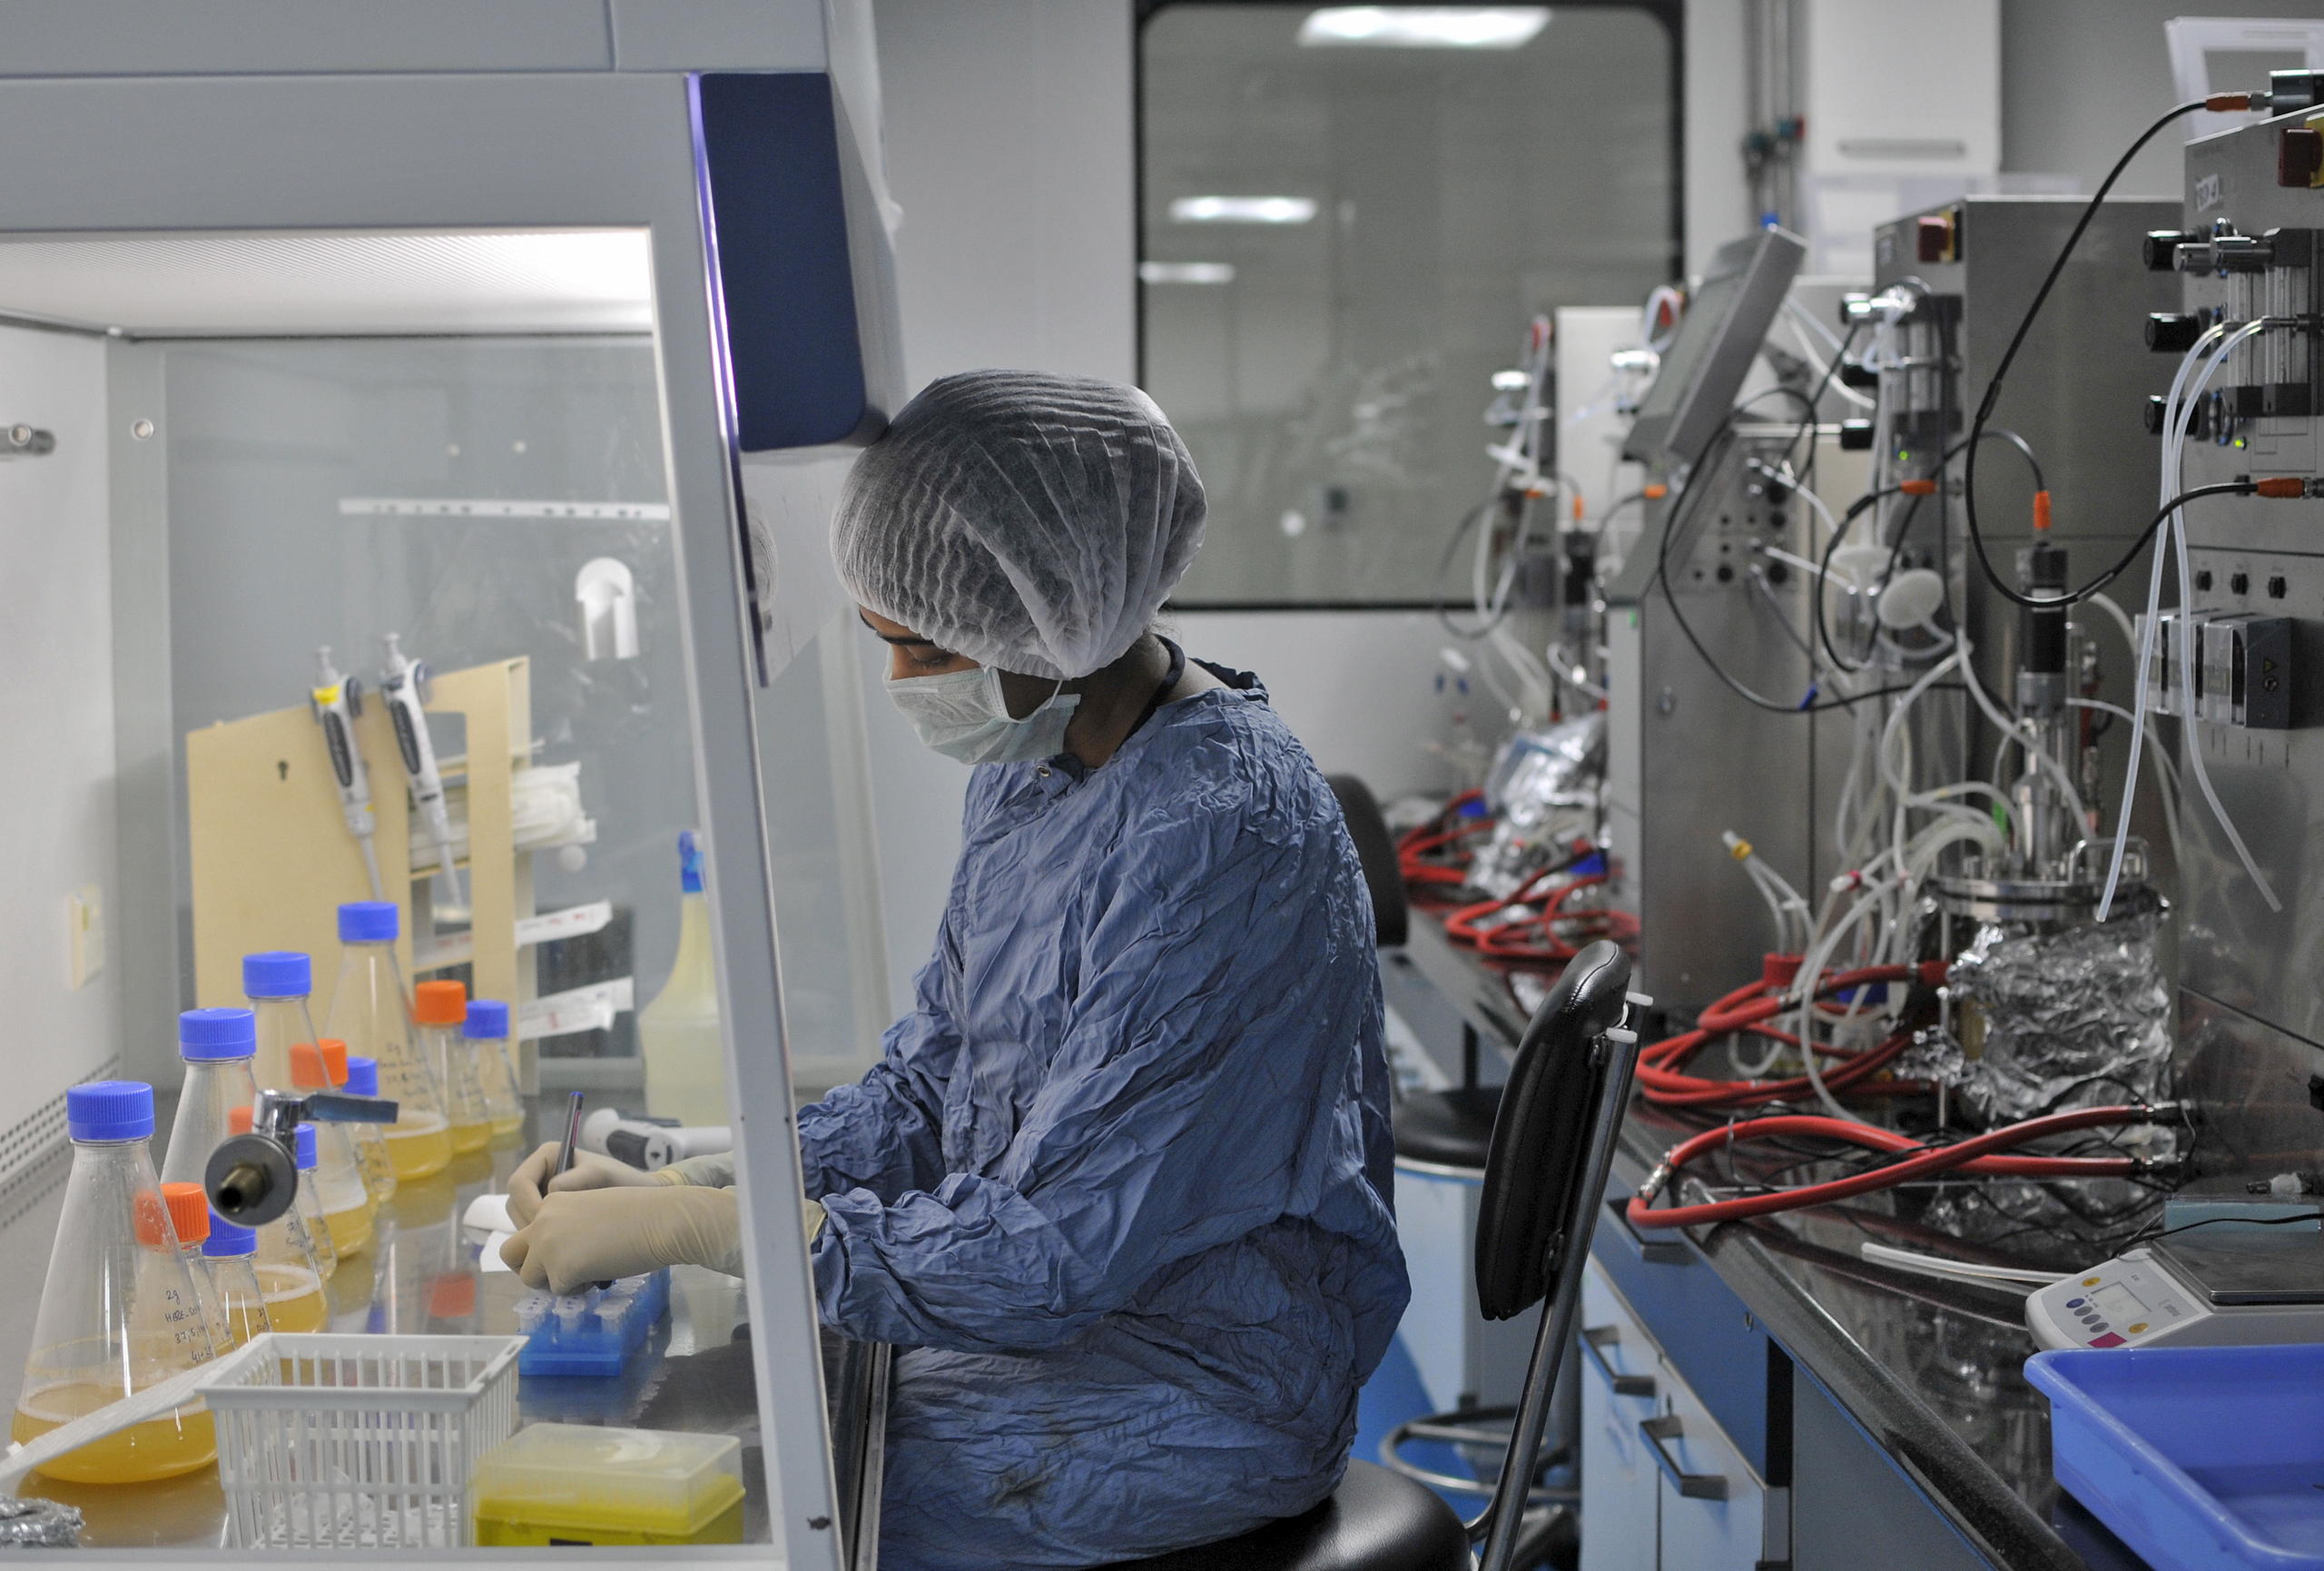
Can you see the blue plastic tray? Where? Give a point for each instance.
(591, 1348)
(2197, 1458)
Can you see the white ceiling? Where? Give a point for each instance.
(278, 284)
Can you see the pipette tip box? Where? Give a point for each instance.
(593, 1333)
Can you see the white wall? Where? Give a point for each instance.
(1008, 135)
(2078, 81)
(56, 716)
(1358, 687)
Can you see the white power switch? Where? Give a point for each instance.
(85, 914)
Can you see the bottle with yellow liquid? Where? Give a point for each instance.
(677, 1034)
(346, 1205)
(189, 1209)
(215, 1045)
(439, 1010)
(370, 1012)
(314, 1210)
(487, 1029)
(362, 1079)
(278, 983)
(289, 1260)
(230, 1254)
(118, 1311)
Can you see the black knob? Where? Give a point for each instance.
(2160, 244)
(1857, 375)
(1856, 435)
(2172, 332)
(2153, 416)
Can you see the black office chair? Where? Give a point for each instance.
(1544, 1179)
(1376, 849)
(1442, 1133)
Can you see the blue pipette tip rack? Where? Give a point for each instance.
(592, 1333)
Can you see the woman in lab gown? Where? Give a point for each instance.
(1120, 1183)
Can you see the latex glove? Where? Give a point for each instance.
(579, 1237)
(589, 1172)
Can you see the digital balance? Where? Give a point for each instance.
(2228, 1287)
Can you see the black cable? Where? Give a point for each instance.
(2074, 597)
(1986, 406)
(1809, 706)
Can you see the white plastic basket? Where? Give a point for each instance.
(364, 1441)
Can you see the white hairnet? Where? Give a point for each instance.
(1034, 523)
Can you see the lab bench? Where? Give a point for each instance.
(422, 1273)
(1759, 1395)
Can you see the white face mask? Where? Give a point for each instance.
(963, 714)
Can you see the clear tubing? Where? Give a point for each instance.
(2176, 419)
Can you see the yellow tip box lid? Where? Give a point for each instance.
(623, 1481)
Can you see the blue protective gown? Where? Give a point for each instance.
(1122, 1183)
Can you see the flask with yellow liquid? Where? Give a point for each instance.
(370, 1012)
(440, 1010)
(118, 1311)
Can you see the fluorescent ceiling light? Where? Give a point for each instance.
(1242, 210)
(1186, 271)
(1424, 27)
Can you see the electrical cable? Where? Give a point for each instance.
(1992, 398)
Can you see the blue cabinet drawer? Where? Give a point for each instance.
(1716, 1345)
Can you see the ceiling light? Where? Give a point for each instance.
(1242, 210)
(1186, 271)
(1424, 27)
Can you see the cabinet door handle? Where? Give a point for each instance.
(1594, 1339)
(1693, 1486)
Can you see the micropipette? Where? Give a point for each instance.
(336, 702)
(402, 688)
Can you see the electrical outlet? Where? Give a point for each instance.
(85, 915)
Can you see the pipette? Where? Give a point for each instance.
(402, 687)
(337, 702)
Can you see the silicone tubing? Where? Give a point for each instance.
(1978, 1155)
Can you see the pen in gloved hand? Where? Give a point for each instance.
(572, 1138)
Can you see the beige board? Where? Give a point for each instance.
(272, 859)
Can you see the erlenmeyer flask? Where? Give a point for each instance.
(487, 1029)
(216, 1045)
(370, 1012)
(307, 1206)
(438, 1008)
(189, 1209)
(229, 1253)
(290, 1270)
(277, 982)
(117, 1311)
(339, 1178)
(370, 1140)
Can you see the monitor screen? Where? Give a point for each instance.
(1704, 368)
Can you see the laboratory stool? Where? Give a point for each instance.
(1375, 1521)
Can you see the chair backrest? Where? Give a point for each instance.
(1376, 848)
(1541, 1146)
(1545, 1174)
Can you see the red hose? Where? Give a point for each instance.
(1662, 1079)
(1552, 935)
(1972, 1155)
(1429, 858)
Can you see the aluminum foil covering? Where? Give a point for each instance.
(34, 1524)
(2049, 1010)
(1542, 793)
